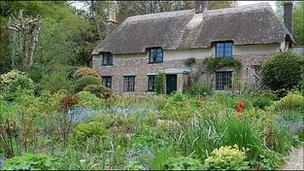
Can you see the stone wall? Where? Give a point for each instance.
(138, 65)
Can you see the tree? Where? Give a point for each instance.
(283, 71)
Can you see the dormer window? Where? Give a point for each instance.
(223, 49)
(107, 58)
(156, 55)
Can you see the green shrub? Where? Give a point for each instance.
(85, 131)
(231, 158)
(55, 82)
(198, 89)
(14, 82)
(159, 83)
(292, 101)
(86, 71)
(29, 161)
(99, 90)
(261, 102)
(282, 71)
(87, 99)
(212, 63)
(84, 81)
(190, 61)
(183, 163)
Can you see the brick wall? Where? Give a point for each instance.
(138, 66)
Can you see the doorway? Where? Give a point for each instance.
(171, 83)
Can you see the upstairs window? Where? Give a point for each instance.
(156, 55)
(129, 83)
(223, 49)
(107, 58)
(107, 81)
(223, 80)
(151, 83)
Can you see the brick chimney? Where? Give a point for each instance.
(111, 22)
(288, 16)
(200, 6)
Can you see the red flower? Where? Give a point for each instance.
(240, 107)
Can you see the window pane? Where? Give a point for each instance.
(223, 80)
(155, 55)
(129, 83)
(151, 82)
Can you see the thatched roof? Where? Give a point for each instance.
(251, 24)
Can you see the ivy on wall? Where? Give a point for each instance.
(211, 64)
(159, 83)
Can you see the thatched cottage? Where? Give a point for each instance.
(134, 52)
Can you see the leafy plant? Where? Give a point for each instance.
(86, 71)
(55, 82)
(159, 83)
(227, 157)
(99, 90)
(84, 81)
(85, 131)
(293, 101)
(183, 163)
(198, 90)
(262, 102)
(190, 61)
(29, 161)
(277, 71)
(212, 63)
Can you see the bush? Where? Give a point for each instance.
(212, 63)
(29, 161)
(14, 82)
(85, 81)
(55, 82)
(190, 61)
(183, 163)
(159, 83)
(85, 131)
(261, 102)
(282, 71)
(231, 158)
(198, 89)
(86, 99)
(86, 71)
(99, 90)
(292, 101)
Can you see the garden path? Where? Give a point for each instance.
(295, 160)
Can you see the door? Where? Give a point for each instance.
(171, 83)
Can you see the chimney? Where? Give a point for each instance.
(111, 22)
(200, 6)
(288, 16)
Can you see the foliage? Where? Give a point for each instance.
(15, 81)
(198, 90)
(277, 71)
(29, 161)
(183, 163)
(89, 100)
(68, 101)
(84, 81)
(293, 101)
(55, 82)
(159, 83)
(227, 157)
(261, 102)
(212, 63)
(85, 131)
(99, 90)
(86, 71)
(190, 61)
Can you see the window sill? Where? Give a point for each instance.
(155, 62)
(107, 65)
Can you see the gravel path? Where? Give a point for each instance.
(295, 160)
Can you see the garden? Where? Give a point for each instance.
(83, 125)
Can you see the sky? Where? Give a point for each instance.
(79, 4)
